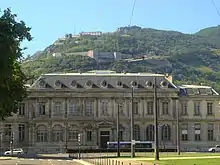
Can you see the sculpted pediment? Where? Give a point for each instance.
(105, 124)
(74, 126)
(89, 126)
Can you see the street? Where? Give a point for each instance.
(38, 162)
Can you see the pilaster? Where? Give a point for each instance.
(50, 132)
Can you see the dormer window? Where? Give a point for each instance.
(58, 84)
(42, 84)
(134, 84)
(149, 84)
(89, 84)
(119, 84)
(192, 91)
(73, 84)
(104, 84)
(163, 84)
(209, 91)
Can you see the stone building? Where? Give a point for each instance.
(61, 106)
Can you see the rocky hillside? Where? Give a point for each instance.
(190, 58)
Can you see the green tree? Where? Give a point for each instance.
(12, 79)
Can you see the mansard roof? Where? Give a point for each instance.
(197, 90)
(101, 80)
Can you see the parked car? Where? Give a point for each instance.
(17, 151)
(215, 149)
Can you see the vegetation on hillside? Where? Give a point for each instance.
(190, 58)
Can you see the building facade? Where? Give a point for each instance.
(104, 57)
(59, 107)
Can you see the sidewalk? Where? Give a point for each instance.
(114, 161)
(135, 161)
(168, 158)
(6, 158)
(131, 162)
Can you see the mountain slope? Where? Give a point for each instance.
(191, 58)
(212, 34)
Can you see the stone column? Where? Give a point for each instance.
(94, 138)
(49, 133)
(30, 132)
(82, 106)
(97, 108)
(112, 135)
(97, 136)
(174, 106)
(50, 108)
(142, 131)
(82, 135)
(65, 136)
(65, 108)
(143, 107)
(174, 133)
(34, 134)
(16, 134)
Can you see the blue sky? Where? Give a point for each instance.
(51, 19)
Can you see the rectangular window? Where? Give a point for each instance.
(8, 131)
(57, 136)
(209, 108)
(150, 108)
(21, 132)
(73, 135)
(196, 108)
(74, 110)
(136, 110)
(57, 108)
(42, 136)
(89, 135)
(121, 135)
(121, 109)
(165, 108)
(184, 132)
(210, 132)
(89, 108)
(184, 109)
(197, 128)
(21, 109)
(42, 108)
(104, 108)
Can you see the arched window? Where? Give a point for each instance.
(57, 133)
(137, 135)
(150, 133)
(42, 135)
(166, 133)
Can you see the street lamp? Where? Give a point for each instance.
(156, 150)
(67, 134)
(178, 132)
(118, 131)
(79, 141)
(132, 124)
(11, 142)
(1, 136)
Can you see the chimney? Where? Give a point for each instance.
(170, 78)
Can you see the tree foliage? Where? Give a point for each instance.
(12, 79)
